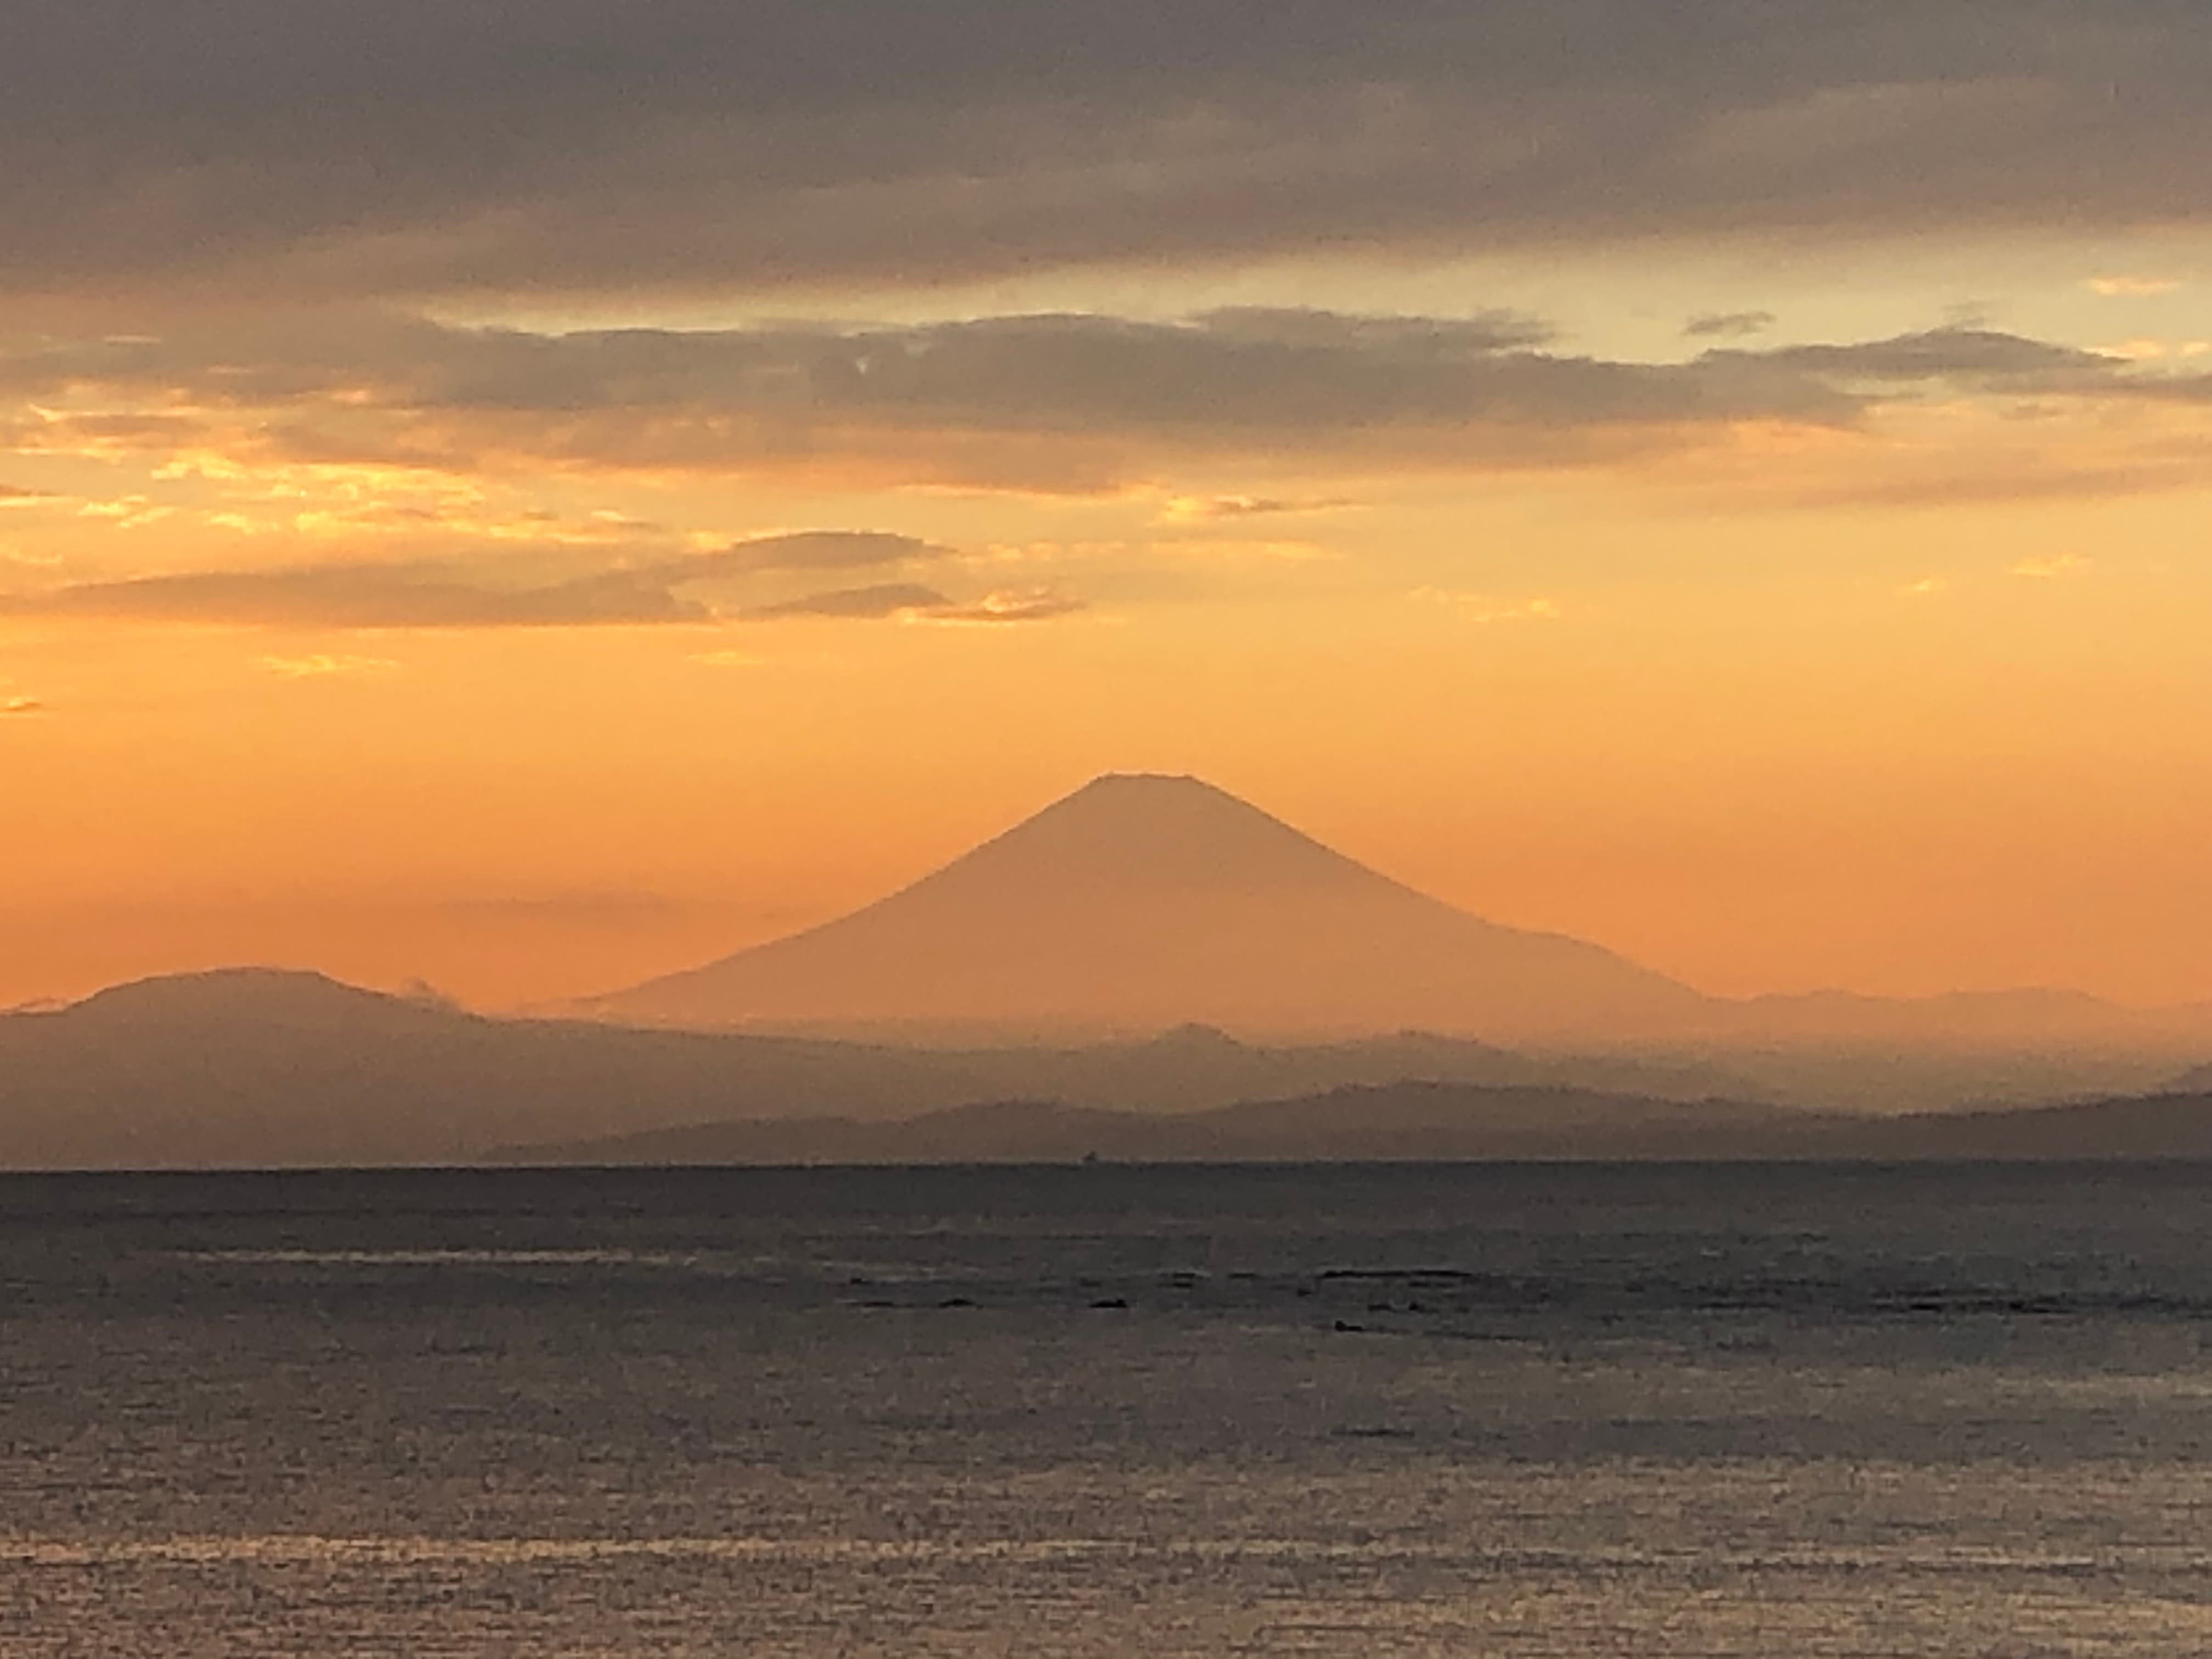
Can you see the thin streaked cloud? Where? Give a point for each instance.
(2134, 288)
(2044, 567)
(396, 596)
(327, 665)
(1490, 608)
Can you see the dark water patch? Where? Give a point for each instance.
(1569, 1412)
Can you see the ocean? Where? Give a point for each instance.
(1791, 1412)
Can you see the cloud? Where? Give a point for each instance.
(1241, 550)
(1201, 509)
(911, 602)
(2173, 388)
(1979, 356)
(994, 608)
(323, 665)
(2134, 288)
(2045, 568)
(368, 597)
(805, 551)
(437, 146)
(1071, 402)
(359, 410)
(394, 596)
(132, 512)
(883, 599)
(1487, 608)
(20, 706)
(1729, 325)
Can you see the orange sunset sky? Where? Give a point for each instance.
(527, 498)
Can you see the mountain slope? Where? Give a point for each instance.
(1140, 902)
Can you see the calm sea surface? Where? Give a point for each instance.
(1790, 1413)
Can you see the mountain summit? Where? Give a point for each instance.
(1142, 902)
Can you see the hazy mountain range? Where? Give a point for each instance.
(256, 1065)
(260, 1067)
(1432, 1122)
(1252, 976)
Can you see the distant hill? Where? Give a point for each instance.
(1405, 1121)
(254, 1066)
(1431, 1122)
(258, 1066)
(2154, 1126)
(1886, 1078)
(261, 1067)
(1195, 1066)
(1141, 902)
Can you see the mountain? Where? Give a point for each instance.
(1435, 1123)
(1193, 1067)
(2163, 1126)
(1141, 902)
(256, 1067)
(1403, 1121)
(1900, 1075)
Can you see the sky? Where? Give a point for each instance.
(524, 497)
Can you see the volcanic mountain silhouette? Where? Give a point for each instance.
(1143, 902)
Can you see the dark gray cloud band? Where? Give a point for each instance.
(1729, 325)
(417, 147)
(1068, 402)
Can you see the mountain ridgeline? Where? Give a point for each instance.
(261, 1069)
(1435, 1123)
(1141, 902)
(1149, 968)
(254, 1066)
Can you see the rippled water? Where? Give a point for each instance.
(1792, 1413)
